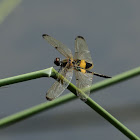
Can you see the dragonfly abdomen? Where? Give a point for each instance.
(89, 66)
(85, 65)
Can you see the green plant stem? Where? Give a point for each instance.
(90, 102)
(35, 109)
(71, 87)
(25, 77)
(116, 79)
(6, 7)
(111, 119)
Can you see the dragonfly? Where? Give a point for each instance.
(81, 63)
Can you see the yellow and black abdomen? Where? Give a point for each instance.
(85, 65)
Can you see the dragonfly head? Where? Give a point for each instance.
(57, 61)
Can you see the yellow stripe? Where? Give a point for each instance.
(82, 64)
(83, 71)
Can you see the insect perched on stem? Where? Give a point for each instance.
(81, 63)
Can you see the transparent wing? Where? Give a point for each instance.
(83, 80)
(81, 50)
(60, 85)
(58, 45)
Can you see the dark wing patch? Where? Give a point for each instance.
(58, 45)
(81, 50)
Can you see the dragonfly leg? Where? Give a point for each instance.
(60, 69)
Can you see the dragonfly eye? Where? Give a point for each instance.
(57, 61)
